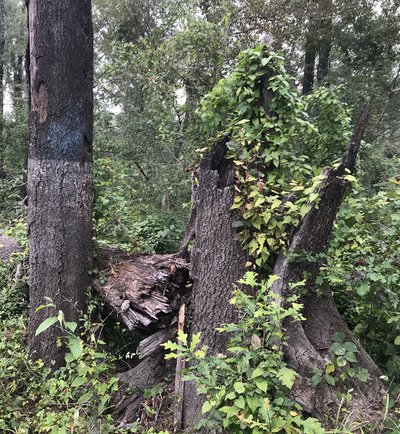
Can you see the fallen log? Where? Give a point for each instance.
(145, 292)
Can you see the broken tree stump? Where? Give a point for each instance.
(146, 291)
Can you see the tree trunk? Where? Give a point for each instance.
(60, 164)
(309, 342)
(309, 65)
(325, 43)
(2, 44)
(217, 261)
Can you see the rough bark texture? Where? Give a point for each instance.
(2, 44)
(309, 342)
(325, 43)
(309, 65)
(136, 381)
(217, 261)
(60, 163)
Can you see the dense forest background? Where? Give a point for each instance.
(154, 63)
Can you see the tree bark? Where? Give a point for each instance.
(60, 164)
(217, 261)
(309, 64)
(325, 43)
(309, 342)
(2, 45)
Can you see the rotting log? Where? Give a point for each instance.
(145, 292)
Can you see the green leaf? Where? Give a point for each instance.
(79, 381)
(329, 379)
(316, 379)
(351, 357)
(338, 349)
(286, 376)
(258, 372)
(240, 402)
(239, 387)
(229, 410)
(350, 347)
(329, 368)
(397, 340)
(363, 375)
(237, 224)
(70, 326)
(312, 426)
(75, 345)
(262, 385)
(86, 397)
(253, 402)
(207, 406)
(195, 341)
(46, 324)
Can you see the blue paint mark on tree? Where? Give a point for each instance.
(65, 136)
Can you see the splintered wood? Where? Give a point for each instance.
(146, 291)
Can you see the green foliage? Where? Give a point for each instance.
(248, 388)
(362, 271)
(332, 119)
(276, 186)
(12, 193)
(126, 218)
(75, 398)
(343, 365)
(13, 274)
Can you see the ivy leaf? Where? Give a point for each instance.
(258, 372)
(262, 385)
(350, 347)
(351, 357)
(338, 349)
(240, 402)
(239, 387)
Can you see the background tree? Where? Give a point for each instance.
(60, 164)
(2, 44)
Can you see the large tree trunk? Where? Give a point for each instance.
(2, 44)
(217, 260)
(60, 164)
